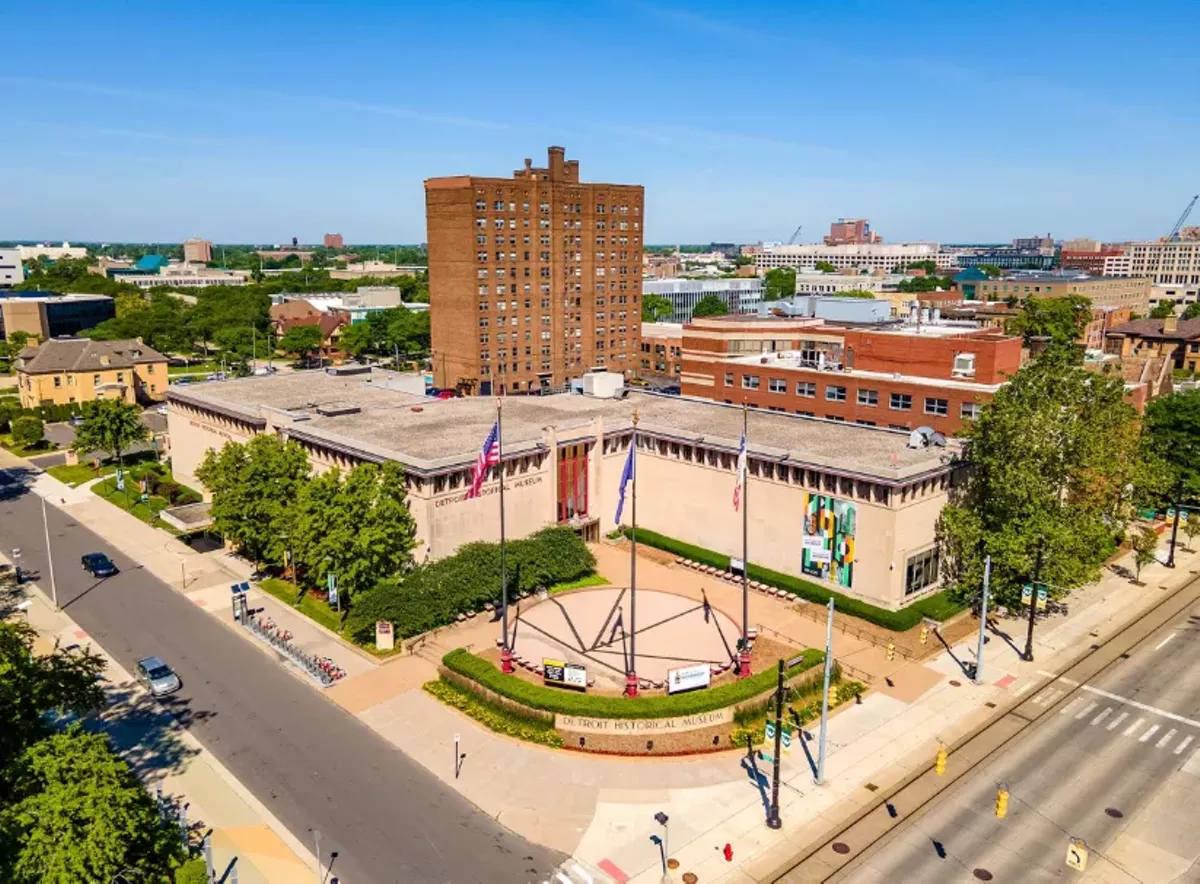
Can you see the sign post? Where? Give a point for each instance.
(1077, 855)
(385, 639)
(331, 583)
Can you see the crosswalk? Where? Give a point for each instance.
(575, 871)
(1143, 729)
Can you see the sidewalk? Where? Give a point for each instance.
(166, 756)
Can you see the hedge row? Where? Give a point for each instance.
(555, 700)
(937, 606)
(435, 594)
(495, 718)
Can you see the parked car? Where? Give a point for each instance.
(98, 565)
(265, 370)
(216, 376)
(159, 678)
(77, 420)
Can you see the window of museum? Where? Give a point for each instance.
(921, 571)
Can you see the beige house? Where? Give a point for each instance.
(66, 370)
(848, 507)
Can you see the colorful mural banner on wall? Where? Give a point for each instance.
(828, 547)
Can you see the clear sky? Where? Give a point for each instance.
(259, 121)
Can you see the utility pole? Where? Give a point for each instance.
(1037, 573)
(820, 779)
(773, 820)
(1174, 533)
(506, 662)
(49, 556)
(987, 573)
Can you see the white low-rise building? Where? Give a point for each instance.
(858, 257)
(11, 272)
(52, 253)
(740, 295)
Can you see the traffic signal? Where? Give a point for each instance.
(939, 766)
(924, 634)
(891, 650)
(1001, 802)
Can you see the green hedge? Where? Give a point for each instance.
(435, 594)
(496, 718)
(567, 703)
(937, 606)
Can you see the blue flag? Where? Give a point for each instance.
(626, 475)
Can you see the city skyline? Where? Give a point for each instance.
(921, 120)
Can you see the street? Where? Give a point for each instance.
(1098, 758)
(314, 766)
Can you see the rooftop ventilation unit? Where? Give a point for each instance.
(923, 437)
(337, 410)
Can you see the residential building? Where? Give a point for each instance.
(739, 295)
(858, 258)
(662, 352)
(1173, 267)
(1103, 291)
(375, 269)
(1174, 339)
(533, 279)
(52, 253)
(997, 314)
(660, 266)
(729, 249)
(291, 313)
(1093, 262)
(1081, 244)
(197, 251)
(355, 306)
(333, 241)
(65, 370)
(1043, 245)
(851, 231)
(11, 271)
(282, 254)
(814, 487)
(896, 375)
(48, 315)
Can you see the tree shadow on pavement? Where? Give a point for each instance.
(145, 732)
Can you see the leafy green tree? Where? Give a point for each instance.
(825, 267)
(991, 270)
(407, 330)
(34, 685)
(1191, 528)
(779, 283)
(930, 267)
(1145, 550)
(18, 340)
(1055, 467)
(1062, 320)
(1172, 435)
(1163, 310)
(112, 426)
(656, 308)
(194, 871)
(301, 340)
(919, 284)
(78, 813)
(710, 305)
(1192, 310)
(252, 484)
(857, 293)
(27, 430)
(358, 339)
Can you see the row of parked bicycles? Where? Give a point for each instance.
(323, 669)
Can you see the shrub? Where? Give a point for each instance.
(537, 696)
(938, 606)
(502, 721)
(194, 871)
(435, 594)
(27, 430)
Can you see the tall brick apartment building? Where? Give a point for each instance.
(533, 279)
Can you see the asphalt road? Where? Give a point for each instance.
(1082, 770)
(314, 765)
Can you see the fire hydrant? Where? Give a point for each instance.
(728, 851)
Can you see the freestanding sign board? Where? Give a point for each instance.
(384, 638)
(687, 678)
(569, 675)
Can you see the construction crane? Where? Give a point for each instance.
(1173, 236)
(796, 236)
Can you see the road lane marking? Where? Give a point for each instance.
(1103, 715)
(1058, 677)
(1086, 710)
(1158, 647)
(584, 876)
(1069, 706)
(1113, 724)
(1165, 739)
(1136, 705)
(1133, 727)
(1047, 698)
(1179, 749)
(1022, 689)
(1150, 731)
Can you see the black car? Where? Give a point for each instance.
(98, 565)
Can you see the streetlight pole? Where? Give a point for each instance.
(987, 574)
(1174, 533)
(49, 556)
(744, 655)
(1037, 572)
(820, 779)
(773, 820)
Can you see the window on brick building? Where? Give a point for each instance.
(900, 402)
(750, 381)
(807, 389)
(936, 406)
(776, 385)
(835, 393)
(868, 397)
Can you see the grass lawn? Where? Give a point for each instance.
(42, 447)
(311, 607)
(590, 580)
(77, 474)
(130, 501)
(198, 367)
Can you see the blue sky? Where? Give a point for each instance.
(259, 121)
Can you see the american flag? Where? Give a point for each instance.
(740, 481)
(489, 456)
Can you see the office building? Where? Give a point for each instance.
(814, 487)
(1173, 267)
(739, 295)
(11, 271)
(1103, 291)
(52, 253)
(1043, 245)
(185, 276)
(851, 231)
(197, 251)
(47, 315)
(65, 370)
(1005, 258)
(375, 269)
(333, 241)
(861, 258)
(1094, 262)
(662, 352)
(1081, 244)
(533, 279)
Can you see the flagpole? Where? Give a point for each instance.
(506, 662)
(631, 679)
(744, 655)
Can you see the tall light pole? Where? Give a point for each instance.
(987, 574)
(1037, 573)
(49, 556)
(820, 779)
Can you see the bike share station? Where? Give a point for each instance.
(321, 669)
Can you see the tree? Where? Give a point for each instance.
(1172, 438)
(991, 270)
(930, 267)
(656, 308)
(779, 283)
(710, 305)
(825, 267)
(301, 340)
(253, 484)
(1062, 320)
(1192, 310)
(18, 340)
(1191, 528)
(358, 339)
(1055, 468)
(80, 814)
(920, 284)
(112, 426)
(856, 293)
(27, 431)
(1163, 310)
(1145, 550)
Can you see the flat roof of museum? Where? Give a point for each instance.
(360, 414)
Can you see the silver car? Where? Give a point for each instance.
(157, 676)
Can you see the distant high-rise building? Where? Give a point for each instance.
(533, 279)
(1043, 245)
(334, 241)
(851, 231)
(197, 251)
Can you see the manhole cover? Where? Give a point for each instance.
(1114, 813)
(982, 874)
(690, 878)
(839, 847)
(672, 863)
(871, 787)
(956, 684)
(990, 705)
